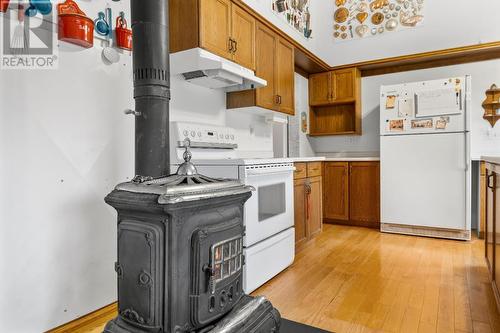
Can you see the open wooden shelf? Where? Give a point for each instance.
(335, 119)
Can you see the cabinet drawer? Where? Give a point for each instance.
(300, 171)
(313, 169)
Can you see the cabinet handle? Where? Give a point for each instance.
(279, 99)
(308, 201)
(235, 47)
(491, 186)
(230, 45)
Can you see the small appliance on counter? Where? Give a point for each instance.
(425, 158)
(269, 242)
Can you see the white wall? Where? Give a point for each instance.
(484, 139)
(64, 144)
(447, 24)
(299, 142)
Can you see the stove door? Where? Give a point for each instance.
(270, 209)
(216, 278)
(139, 270)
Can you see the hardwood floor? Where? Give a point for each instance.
(352, 279)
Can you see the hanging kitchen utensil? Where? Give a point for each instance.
(109, 53)
(74, 26)
(341, 15)
(4, 4)
(43, 7)
(123, 35)
(102, 25)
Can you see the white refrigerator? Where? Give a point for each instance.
(425, 159)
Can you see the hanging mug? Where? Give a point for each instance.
(101, 25)
(4, 4)
(123, 35)
(43, 7)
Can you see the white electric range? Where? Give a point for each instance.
(269, 243)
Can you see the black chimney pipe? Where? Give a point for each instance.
(151, 73)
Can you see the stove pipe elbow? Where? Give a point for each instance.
(151, 75)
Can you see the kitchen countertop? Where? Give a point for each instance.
(334, 159)
(491, 159)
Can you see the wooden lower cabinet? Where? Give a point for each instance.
(308, 202)
(351, 193)
(492, 226)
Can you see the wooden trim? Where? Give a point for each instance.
(87, 322)
(353, 223)
(301, 72)
(438, 58)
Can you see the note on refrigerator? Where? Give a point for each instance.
(406, 108)
(437, 102)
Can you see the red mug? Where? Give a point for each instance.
(4, 4)
(123, 35)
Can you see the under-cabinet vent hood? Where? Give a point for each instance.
(206, 69)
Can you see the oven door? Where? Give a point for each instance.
(270, 209)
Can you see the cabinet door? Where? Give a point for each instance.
(489, 227)
(364, 192)
(286, 77)
(336, 191)
(243, 33)
(314, 206)
(320, 89)
(266, 42)
(343, 81)
(300, 212)
(215, 26)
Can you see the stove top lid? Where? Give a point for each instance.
(186, 185)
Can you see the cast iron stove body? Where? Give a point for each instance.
(180, 255)
(179, 236)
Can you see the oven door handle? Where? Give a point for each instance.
(265, 172)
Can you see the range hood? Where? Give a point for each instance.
(206, 69)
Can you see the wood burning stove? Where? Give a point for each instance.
(180, 236)
(180, 254)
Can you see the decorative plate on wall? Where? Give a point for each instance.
(355, 19)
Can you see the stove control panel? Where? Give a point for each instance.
(203, 136)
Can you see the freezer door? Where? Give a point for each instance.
(423, 180)
(438, 106)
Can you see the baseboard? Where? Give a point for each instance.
(352, 223)
(425, 231)
(87, 322)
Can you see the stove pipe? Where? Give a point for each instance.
(151, 87)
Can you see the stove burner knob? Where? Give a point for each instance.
(232, 137)
(193, 134)
(227, 137)
(186, 133)
(199, 134)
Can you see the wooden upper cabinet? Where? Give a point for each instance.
(266, 42)
(320, 91)
(344, 85)
(215, 26)
(336, 191)
(218, 26)
(275, 63)
(286, 77)
(243, 35)
(333, 87)
(364, 192)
